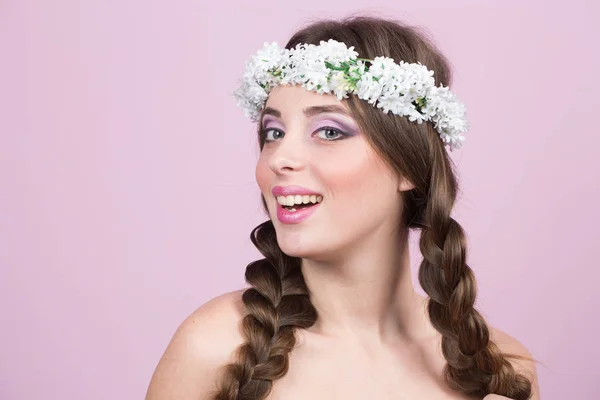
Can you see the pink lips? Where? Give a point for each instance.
(293, 217)
(292, 191)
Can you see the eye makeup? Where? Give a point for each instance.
(316, 123)
(270, 122)
(346, 129)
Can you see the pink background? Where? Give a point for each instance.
(127, 190)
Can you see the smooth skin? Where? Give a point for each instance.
(373, 338)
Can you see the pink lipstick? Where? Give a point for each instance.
(296, 213)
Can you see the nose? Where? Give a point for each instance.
(289, 155)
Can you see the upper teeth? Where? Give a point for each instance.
(297, 199)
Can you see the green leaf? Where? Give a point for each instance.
(333, 67)
(420, 103)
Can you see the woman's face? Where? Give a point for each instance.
(315, 151)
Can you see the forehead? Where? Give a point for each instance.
(294, 98)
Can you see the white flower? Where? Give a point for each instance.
(368, 88)
(251, 98)
(339, 85)
(337, 52)
(266, 60)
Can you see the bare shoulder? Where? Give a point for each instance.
(526, 366)
(203, 343)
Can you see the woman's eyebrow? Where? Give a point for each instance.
(310, 111)
(314, 110)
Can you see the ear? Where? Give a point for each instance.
(404, 184)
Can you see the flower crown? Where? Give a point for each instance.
(406, 89)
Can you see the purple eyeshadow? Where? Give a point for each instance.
(351, 131)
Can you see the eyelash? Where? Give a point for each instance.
(263, 133)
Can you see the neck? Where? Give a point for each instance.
(367, 293)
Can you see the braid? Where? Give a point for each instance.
(475, 365)
(277, 302)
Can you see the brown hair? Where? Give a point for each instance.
(277, 302)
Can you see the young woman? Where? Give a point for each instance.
(353, 129)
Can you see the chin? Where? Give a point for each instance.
(301, 246)
(295, 246)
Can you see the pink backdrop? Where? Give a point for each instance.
(127, 177)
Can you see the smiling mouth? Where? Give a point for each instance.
(298, 202)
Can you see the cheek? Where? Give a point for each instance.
(359, 172)
(362, 184)
(262, 174)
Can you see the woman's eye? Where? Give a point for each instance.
(328, 133)
(271, 134)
